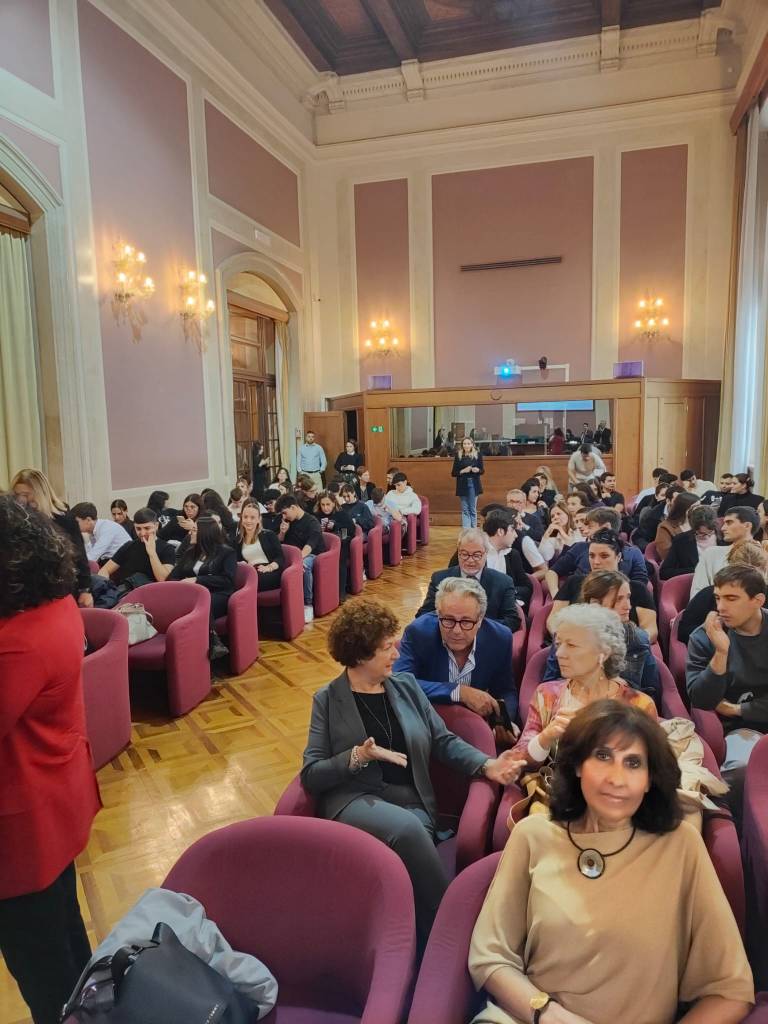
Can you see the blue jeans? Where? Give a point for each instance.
(469, 506)
(309, 561)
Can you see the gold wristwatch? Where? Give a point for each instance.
(538, 1004)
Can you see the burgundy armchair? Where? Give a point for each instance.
(755, 847)
(537, 634)
(288, 598)
(356, 566)
(393, 547)
(673, 598)
(678, 656)
(105, 684)
(241, 623)
(180, 613)
(467, 805)
(411, 534)
(328, 908)
(373, 551)
(325, 594)
(422, 534)
(539, 598)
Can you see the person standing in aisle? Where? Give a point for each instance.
(312, 460)
(467, 469)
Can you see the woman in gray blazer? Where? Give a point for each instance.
(370, 740)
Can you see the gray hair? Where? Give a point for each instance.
(474, 533)
(606, 628)
(464, 588)
(702, 515)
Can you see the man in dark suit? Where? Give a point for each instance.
(683, 555)
(499, 588)
(458, 656)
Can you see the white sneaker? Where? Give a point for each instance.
(309, 613)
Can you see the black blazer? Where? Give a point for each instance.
(461, 462)
(515, 571)
(682, 557)
(502, 597)
(270, 544)
(66, 523)
(216, 574)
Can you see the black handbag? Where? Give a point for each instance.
(157, 982)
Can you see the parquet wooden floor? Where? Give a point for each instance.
(229, 759)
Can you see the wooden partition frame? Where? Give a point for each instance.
(644, 411)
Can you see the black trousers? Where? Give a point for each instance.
(45, 945)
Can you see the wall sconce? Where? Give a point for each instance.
(384, 343)
(651, 317)
(195, 308)
(131, 284)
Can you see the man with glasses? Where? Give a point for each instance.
(498, 587)
(459, 656)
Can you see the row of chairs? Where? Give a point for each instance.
(180, 614)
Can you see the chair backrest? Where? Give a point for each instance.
(755, 844)
(292, 555)
(331, 542)
(344, 899)
(101, 626)
(532, 676)
(651, 554)
(537, 634)
(246, 577)
(450, 786)
(168, 601)
(674, 594)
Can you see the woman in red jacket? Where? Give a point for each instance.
(48, 791)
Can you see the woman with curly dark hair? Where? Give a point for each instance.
(610, 909)
(48, 792)
(371, 736)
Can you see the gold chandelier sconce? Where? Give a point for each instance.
(130, 287)
(652, 318)
(382, 341)
(195, 306)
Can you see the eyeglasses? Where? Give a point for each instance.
(447, 622)
(471, 556)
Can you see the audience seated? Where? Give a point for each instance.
(282, 476)
(370, 783)
(676, 521)
(608, 493)
(259, 547)
(740, 523)
(499, 526)
(365, 487)
(459, 656)
(650, 512)
(690, 482)
(548, 489)
(402, 500)
(119, 512)
(604, 552)
(744, 552)
(335, 518)
(727, 668)
(158, 503)
(499, 588)
(270, 518)
(213, 503)
(715, 496)
(740, 495)
(687, 545)
(211, 563)
(178, 529)
(532, 522)
(648, 492)
(382, 512)
(102, 537)
(356, 508)
(144, 560)
(610, 909)
(301, 530)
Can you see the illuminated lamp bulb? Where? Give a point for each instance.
(665, 322)
(191, 275)
(149, 284)
(368, 343)
(141, 257)
(202, 279)
(122, 278)
(373, 324)
(642, 303)
(395, 341)
(385, 323)
(659, 302)
(382, 341)
(651, 322)
(638, 323)
(128, 250)
(210, 305)
(190, 300)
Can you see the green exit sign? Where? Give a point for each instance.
(377, 430)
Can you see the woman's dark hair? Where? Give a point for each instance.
(746, 479)
(598, 584)
(588, 493)
(610, 538)
(156, 501)
(326, 496)
(119, 503)
(532, 482)
(213, 502)
(678, 509)
(36, 559)
(193, 499)
(352, 442)
(557, 432)
(359, 629)
(209, 539)
(278, 471)
(595, 726)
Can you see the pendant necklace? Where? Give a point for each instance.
(388, 727)
(591, 863)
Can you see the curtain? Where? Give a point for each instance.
(283, 376)
(20, 436)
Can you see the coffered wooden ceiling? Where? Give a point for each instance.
(354, 36)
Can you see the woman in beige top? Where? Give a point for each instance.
(610, 911)
(676, 522)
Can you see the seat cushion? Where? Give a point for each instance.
(270, 598)
(149, 655)
(305, 1015)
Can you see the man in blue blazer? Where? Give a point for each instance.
(458, 655)
(499, 588)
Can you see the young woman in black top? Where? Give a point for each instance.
(158, 502)
(282, 476)
(213, 503)
(259, 470)
(740, 495)
(211, 563)
(259, 547)
(179, 526)
(348, 462)
(467, 469)
(334, 519)
(119, 511)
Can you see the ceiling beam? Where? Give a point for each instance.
(610, 13)
(297, 32)
(385, 16)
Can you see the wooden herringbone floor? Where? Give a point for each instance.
(229, 759)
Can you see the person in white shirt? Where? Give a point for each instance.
(585, 464)
(403, 497)
(647, 491)
(690, 482)
(102, 537)
(740, 523)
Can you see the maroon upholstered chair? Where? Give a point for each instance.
(373, 551)
(710, 728)
(105, 684)
(677, 658)
(356, 569)
(534, 670)
(393, 546)
(344, 952)
(671, 702)
(288, 598)
(539, 597)
(519, 641)
(411, 534)
(180, 613)
(241, 623)
(652, 555)
(467, 805)
(537, 634)
(325, 594)
(673, 598)
(755, 847)
(423, 521)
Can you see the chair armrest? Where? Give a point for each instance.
(475, 822)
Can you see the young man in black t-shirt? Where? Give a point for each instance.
(144, 560)
(301, 530)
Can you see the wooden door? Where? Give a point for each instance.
(329, 433)
(673, 423)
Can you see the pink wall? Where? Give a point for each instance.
(43, 154)
(225, 247)
(141, 189)
(383, 273)
(653, 198)
(25, 42)
(485, 317)
(246, 176)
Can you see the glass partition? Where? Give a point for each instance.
(515, 428)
